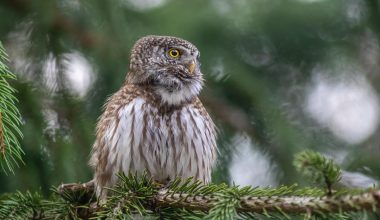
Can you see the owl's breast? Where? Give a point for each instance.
(180, 142)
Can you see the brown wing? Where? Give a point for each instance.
(105, 130)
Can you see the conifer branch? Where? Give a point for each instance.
(10, 119)
(288, 204)
(318, 168)
(186, 199)
(214, 201)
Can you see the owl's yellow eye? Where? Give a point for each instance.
(174, 53)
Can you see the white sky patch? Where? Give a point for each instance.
(79, 74)
(240, 15)
(221, 6)
(356, 11)
(218, 70)
(144, 5)
(357, 180)
(71, 4)
(348, 178)
(250, 166)
(258, 52)
(18, 45)
(45, 152)
(227, 6)
(51, 120)
(50, 73)
(338, 155)
(344, 103)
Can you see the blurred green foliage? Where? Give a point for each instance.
(258, 58)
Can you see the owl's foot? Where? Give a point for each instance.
(82, 193)
(76, 187)
(159, 184)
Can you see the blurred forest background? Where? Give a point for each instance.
(281, 76)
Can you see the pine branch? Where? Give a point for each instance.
(213, 201)
(21, 206)
(10, 150)
(287, 204)
(187, 199)
(318, 168)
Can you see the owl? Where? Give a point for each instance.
(155, 123)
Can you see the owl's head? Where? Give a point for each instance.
(169, 65)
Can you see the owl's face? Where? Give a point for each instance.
(170, 65)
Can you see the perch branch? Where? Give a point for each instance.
(287, 204)
(259, 204)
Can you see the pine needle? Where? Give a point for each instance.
(10, 119)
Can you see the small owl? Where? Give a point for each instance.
(156, 122)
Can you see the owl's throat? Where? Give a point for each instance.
(174, 95)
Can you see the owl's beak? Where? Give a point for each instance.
(191, 66)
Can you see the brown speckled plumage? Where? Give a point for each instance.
(155, 122)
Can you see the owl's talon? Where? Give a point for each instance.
(158, 185)
(76, 187)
